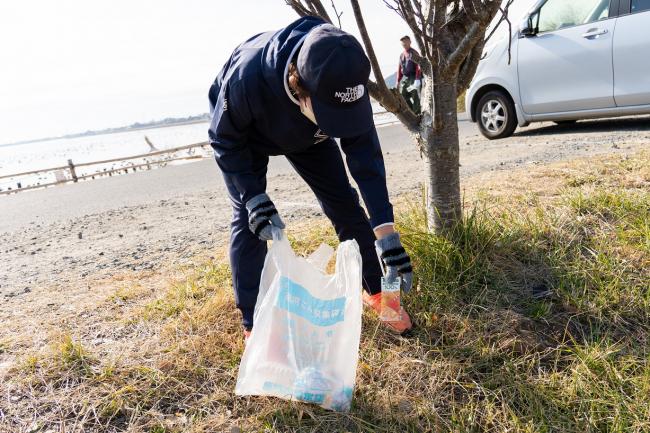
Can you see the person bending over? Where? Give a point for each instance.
(290, 93)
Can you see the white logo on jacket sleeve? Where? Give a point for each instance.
(351, 94)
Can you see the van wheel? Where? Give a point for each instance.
(496, 115)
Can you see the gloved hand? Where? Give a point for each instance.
(263, 216)
(397, 262)
(416, 86)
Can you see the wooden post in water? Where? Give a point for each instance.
(73, 173)
(152, 148)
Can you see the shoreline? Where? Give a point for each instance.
(99, 133)
(48, 177)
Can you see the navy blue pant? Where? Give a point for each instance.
(321, 166)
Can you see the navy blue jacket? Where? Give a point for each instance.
(253, 113)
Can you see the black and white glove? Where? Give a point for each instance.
(263, 216)
(397, 262)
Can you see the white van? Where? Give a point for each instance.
(571, 60)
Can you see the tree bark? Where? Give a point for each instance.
(439, 144)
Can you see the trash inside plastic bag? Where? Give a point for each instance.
(307, 326)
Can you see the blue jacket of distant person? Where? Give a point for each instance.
(254, 113)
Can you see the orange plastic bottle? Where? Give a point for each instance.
(391, 303)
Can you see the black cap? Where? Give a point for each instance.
(334, 69)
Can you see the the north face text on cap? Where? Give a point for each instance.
(351, 94)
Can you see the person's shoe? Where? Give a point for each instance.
(402, 326)
(247, 335)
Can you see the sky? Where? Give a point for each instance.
(69, 66)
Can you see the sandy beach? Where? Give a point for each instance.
(59, 244)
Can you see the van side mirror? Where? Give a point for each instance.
(527, 28)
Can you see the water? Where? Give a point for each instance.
(55, 153)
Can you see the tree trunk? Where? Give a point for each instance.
(439, 144)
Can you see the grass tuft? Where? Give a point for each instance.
(73, 355)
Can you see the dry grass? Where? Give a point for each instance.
(532, 316)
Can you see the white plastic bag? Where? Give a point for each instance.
(307, 326)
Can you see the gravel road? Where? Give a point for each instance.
(69, 236)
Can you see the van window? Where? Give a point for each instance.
(559, 14)
(640, 5)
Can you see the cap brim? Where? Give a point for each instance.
(342, 122)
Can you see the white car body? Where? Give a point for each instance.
(575, 71)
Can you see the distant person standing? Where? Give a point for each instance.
(409, 76)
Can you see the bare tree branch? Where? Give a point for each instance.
(311, 7)
(439, 12)
(392, 7)
(381, 82)
(469, 66)
(338, 15)
(401, 109)
(320, 10)
(470, 10)
(428, 28)
(418, 32)
(298, 7)
(417, 12)
(462, 51)
(423, 25)
(408, 16)
(504, 17)
(358, 16)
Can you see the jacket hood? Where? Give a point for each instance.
(279, 50)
